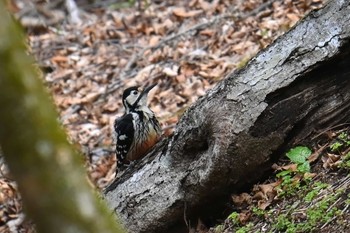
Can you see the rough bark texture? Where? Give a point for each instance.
(297, 86)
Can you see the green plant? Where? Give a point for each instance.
(336, 146)
(321, 212)
(317, 214)
(315, 190)
(289, 185)
(291, 179)
(258, 212)
(234, 217)
(245, 229)
(299, 155)
(347, 201)
(284, 224)
(345, 138)
(311, 203)
(219, 229)
(345, 161)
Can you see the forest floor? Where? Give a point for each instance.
(186, 47)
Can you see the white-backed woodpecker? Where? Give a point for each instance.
(138, 130)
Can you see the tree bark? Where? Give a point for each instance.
(297, 86)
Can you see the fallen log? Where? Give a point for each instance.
(296, 87)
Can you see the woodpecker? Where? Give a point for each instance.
(138, 130)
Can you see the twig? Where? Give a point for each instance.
(185, 216)
(346, 151)
(329, 221)
(346, 207)
(329, 128)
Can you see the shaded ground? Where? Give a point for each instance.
(297, 200)
(186, 47)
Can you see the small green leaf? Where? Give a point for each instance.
(283, 173)
(233, 216)
(335, 146)
(299, 154)
(343, 136)
(304, 167)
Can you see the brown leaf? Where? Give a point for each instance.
(154, 40)
(266, 194)
(317, 153)
(207, 32)
(331, 161)
(259, 196)
(241, 199)
(244, 217)
(90, 97)
(263, 204)
(293, 17)
(308, 175)
(59, 59)
(181, 12)
(292, 167)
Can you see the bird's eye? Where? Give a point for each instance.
(134, 92)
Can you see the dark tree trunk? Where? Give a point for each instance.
(291, 90)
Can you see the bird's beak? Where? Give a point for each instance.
(147, 89)
(143, 97)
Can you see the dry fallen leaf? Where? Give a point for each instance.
(242, 200)
(244, 217)
(183, 13)
(314, 156)
(291, 167)
(331, 161)
(265, 194)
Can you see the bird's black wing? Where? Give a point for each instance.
(124, 130)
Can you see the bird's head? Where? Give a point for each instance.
(135, 97)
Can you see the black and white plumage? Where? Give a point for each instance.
(138, 130)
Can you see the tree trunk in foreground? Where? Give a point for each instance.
(297, 86)
(50, 175)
